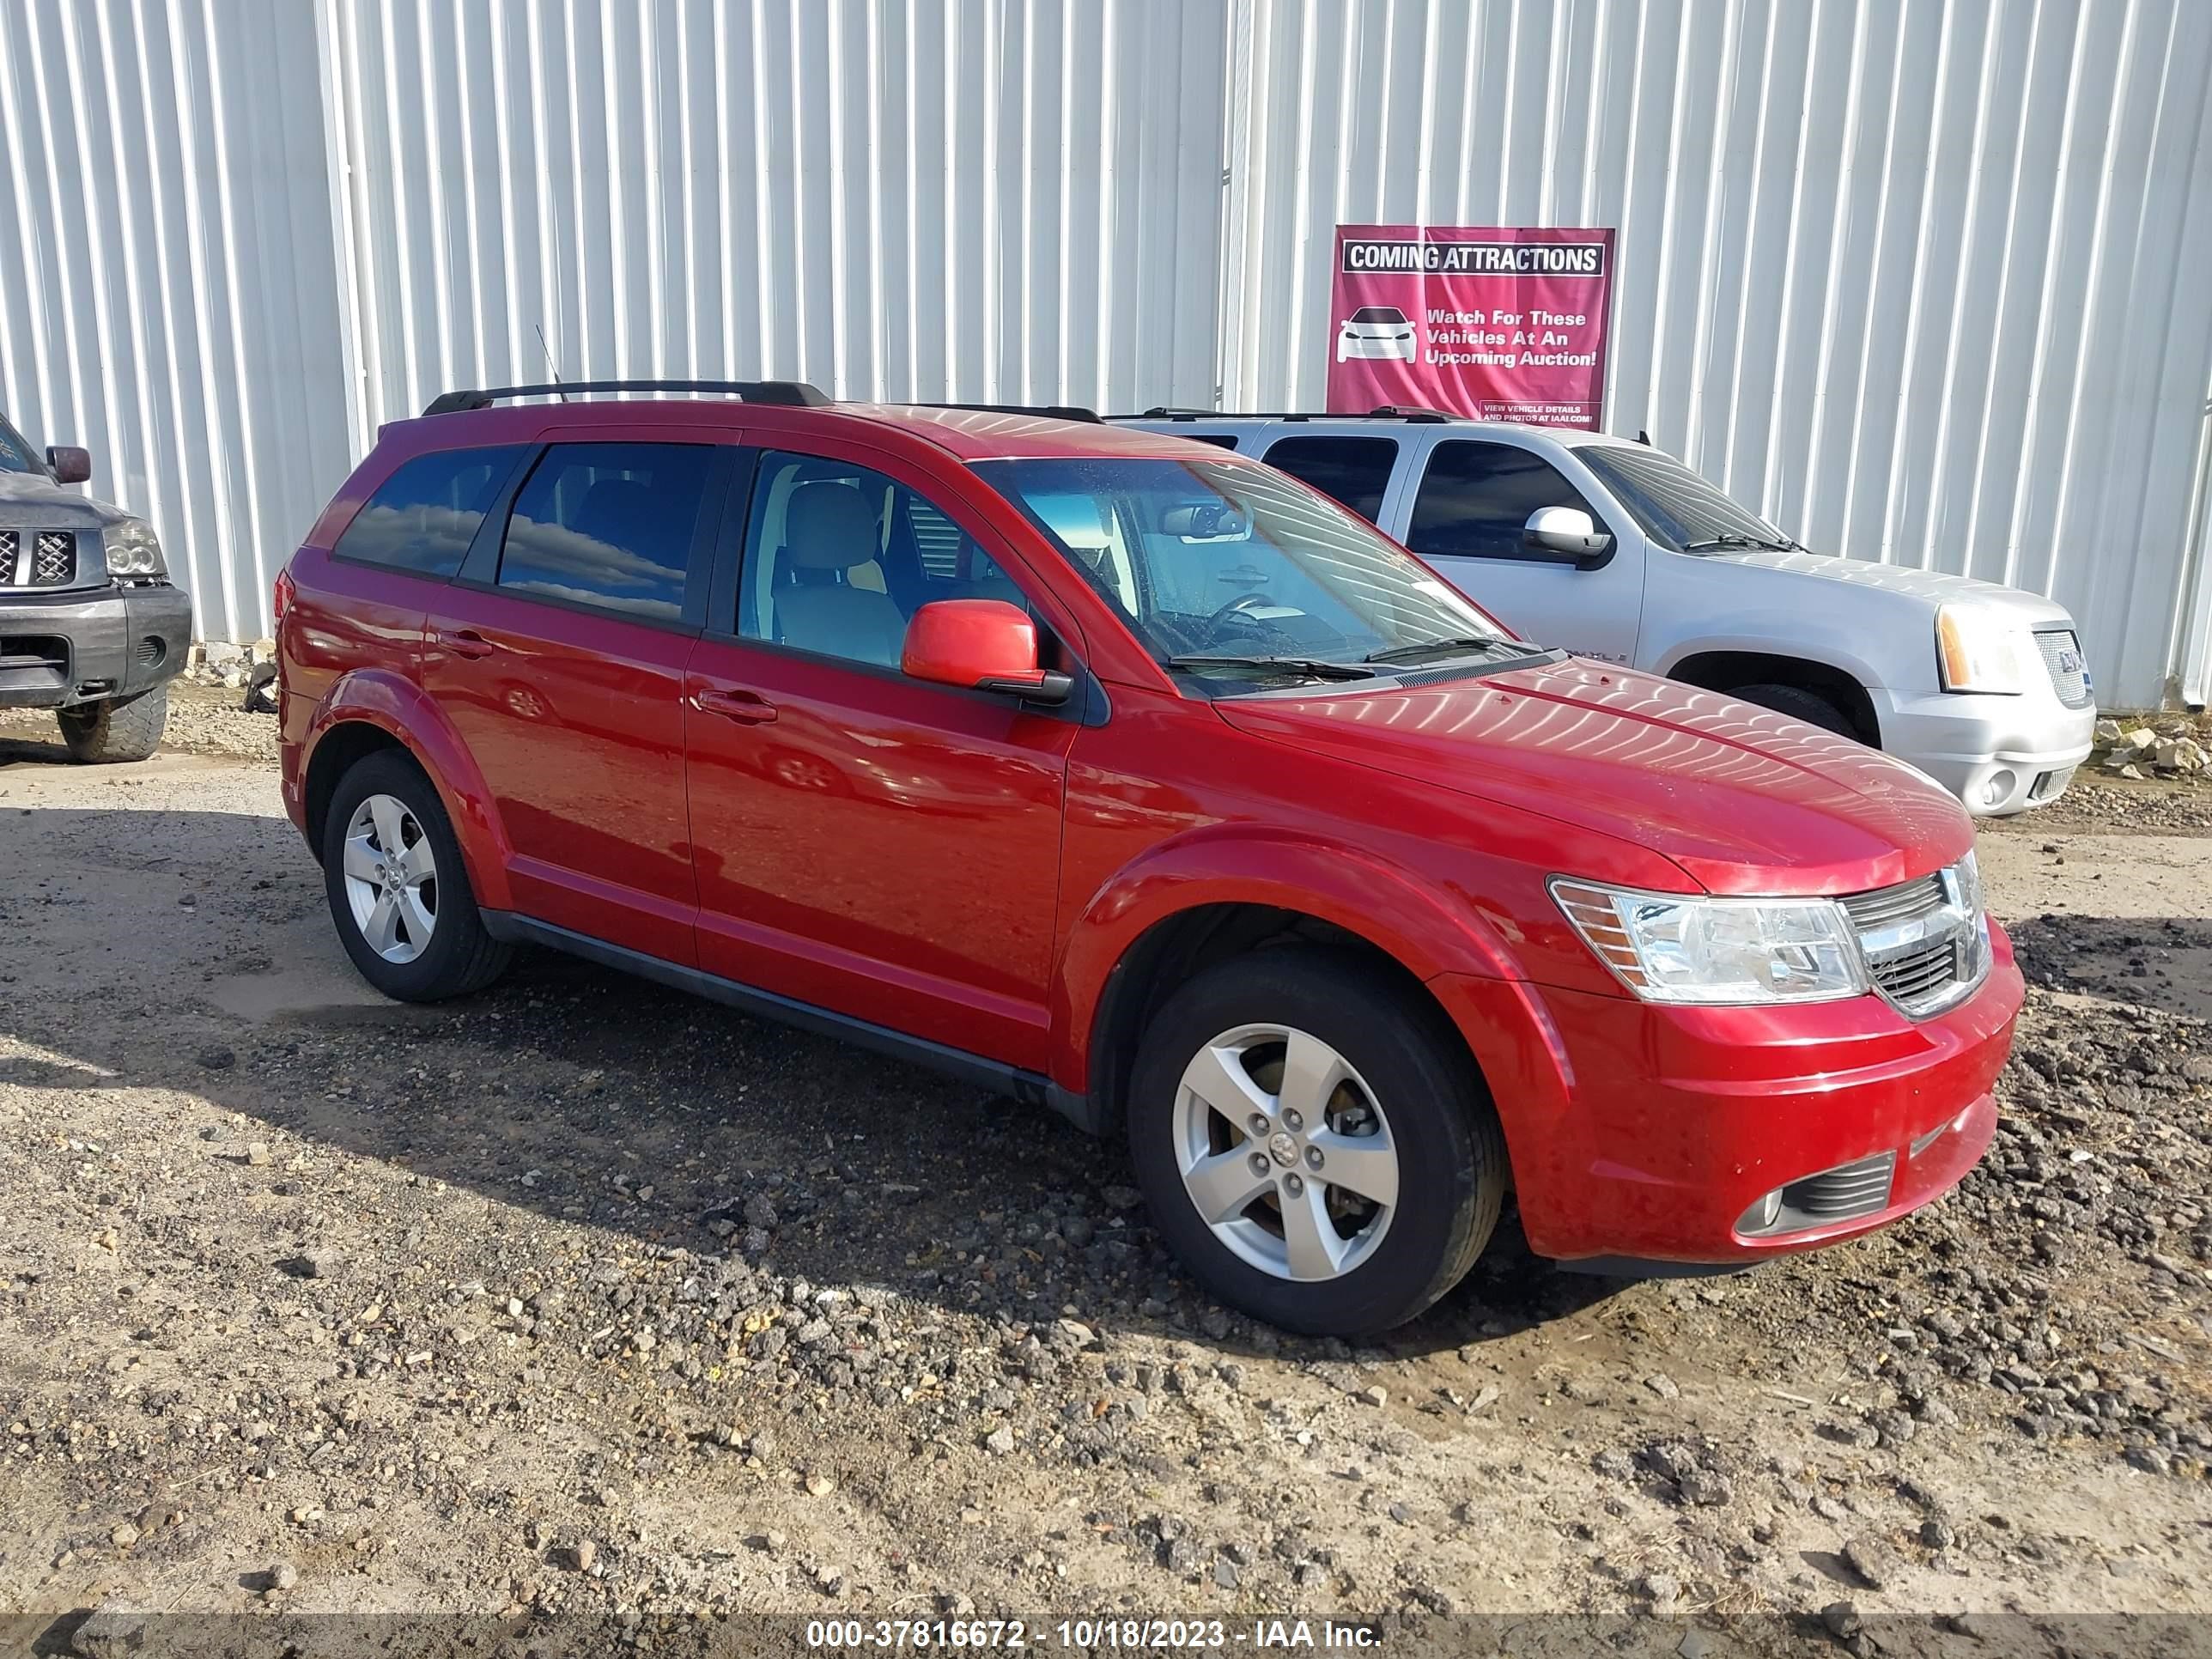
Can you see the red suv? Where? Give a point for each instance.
(1137, 779)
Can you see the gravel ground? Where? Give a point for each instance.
(587, 1307)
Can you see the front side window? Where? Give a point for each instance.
(1353, 471)
(1475, 499)
(840, 557)
(1232, 574)
(423, 517)
(16, 454)
(1675, 506)
(608, 526)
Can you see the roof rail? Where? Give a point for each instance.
(1050, 411)
(788, 393)
(1411, 412)
(1174, 412)
(1385, 412)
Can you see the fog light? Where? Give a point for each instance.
(1999, 785)
(1761, 1215)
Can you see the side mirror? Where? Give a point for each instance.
(1568, 531)
(981, 645)
(68, 463)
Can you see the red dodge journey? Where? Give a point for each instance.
(1137, 779)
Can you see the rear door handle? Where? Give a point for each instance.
(465, 643)
(746, 707)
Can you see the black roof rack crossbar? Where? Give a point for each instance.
(1411, 412)
(1050, 411)
(1386, 412)
(794, 393)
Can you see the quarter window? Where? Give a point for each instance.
(1475, 499)
(423, 517)
(1352, 471)
(609, 525)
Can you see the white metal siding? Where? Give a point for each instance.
(1923, 280)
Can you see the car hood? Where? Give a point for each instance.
(1743, 799)
(27, 498)
(1929, 586)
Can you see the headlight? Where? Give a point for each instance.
(1977, 649)
(133, 550)
(1668, 948)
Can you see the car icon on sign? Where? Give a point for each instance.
(1376, 331)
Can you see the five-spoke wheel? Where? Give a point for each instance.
(391, 879)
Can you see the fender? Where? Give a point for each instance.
(409, 714)
(1243, 863)
(1775, 642)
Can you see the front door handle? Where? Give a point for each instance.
(463, 642)
(746, 707)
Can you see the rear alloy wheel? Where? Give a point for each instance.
(1314, 1141)
(398, 892)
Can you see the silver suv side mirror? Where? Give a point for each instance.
(1568, 531)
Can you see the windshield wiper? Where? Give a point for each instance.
(1455, 647)
(1759, 543)
(1316, 668)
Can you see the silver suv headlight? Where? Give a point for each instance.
(1669, 947)
(132, 548)
(1980, 649)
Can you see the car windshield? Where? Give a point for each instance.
(1676, 507)
(16, 454)
(1378, 314)
(1227, 571)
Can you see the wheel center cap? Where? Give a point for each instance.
(1283, 1148)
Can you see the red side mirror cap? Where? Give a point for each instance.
(981, 645)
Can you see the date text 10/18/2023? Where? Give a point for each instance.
(1089, 1634)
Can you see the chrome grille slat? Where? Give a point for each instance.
(1902, 903)
(2062, 658)
(53, 558)
(8, 544)
(1922, 940)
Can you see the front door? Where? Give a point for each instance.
(559, 656)
(1470, 505)
(877, 846)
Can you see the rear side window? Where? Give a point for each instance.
(608, 526)
(1218, 440)
(1475, 499)
(1353, 472)
(423, 517)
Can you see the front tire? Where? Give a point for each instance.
(1799, 704)
(1314, 1142)
(398, 892)
(117, 728)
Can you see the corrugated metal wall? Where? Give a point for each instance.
(168, 281)
(1926, 281)
(1922, 279)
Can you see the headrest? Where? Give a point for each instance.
(828, 526)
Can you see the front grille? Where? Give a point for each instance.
(37, 558)
(1843, 1193)
(2070, 673)
(1925, 941)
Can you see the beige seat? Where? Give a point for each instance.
(829, 533)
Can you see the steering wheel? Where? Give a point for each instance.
(1240, 608)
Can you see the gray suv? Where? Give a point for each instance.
(90, 625)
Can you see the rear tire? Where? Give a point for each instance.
(1404, 1088)
(116, 728)
(454, 955)
(1799, 704)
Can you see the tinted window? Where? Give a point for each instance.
(1218, 440)
(609, 525)
(1676, 507)
(1476, 498)
(839, 556)
(423, 516)
(1352, 471)
(1378, 314)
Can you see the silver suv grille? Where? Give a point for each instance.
(37, 558)
(2070, 670)
(1925, 942)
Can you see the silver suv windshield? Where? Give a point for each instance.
(1231, 571)
(1675, 506)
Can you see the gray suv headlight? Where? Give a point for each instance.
(132, 548)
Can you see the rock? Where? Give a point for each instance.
(1663, 1588)
(283, 1577)
(999, 1440)
(583, 1554)
(1842, 1619)
(217, 1059)
(257, 1152)
(112, 1630)
(1226, 1572)
(309, 1264)
(1704, 1488)
(820, 1486)
(1614, 1466)
(1695, 1644)
(1662, 1385)
(1872, 1560)
(1373, 1395)
(1936, 1534)
(124, 1534)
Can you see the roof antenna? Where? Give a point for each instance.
(558, 378)
(1642, 437)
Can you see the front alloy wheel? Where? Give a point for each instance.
(1286, 1152)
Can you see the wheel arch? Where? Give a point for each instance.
(1725, 669)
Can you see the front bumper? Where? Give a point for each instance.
(78, 646)
(1997, 755)
(1647, 1132)
(1373, 350)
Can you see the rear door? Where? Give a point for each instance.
(559, 656)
